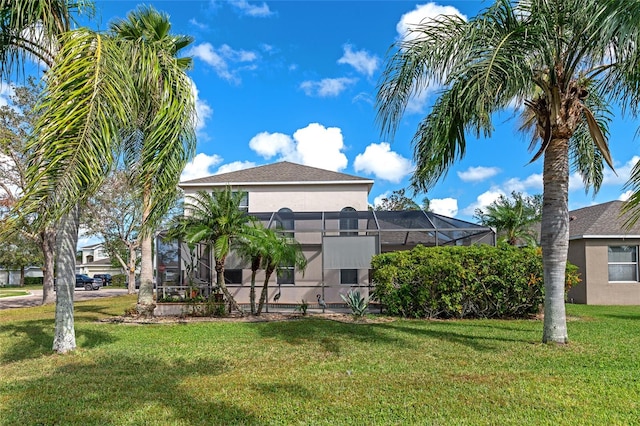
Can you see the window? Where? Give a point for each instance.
(349, 220)
(285, 221)
(348, 276)
(286, 274)
(244, 203)
(233, 276)
(623, 263)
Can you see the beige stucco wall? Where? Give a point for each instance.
(596, 288)
(301, 197)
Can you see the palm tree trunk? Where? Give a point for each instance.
(47, 245)
(252, 292)
(223, 287)
(131, 270)
(64, 339)
(146, 304)
(265, 289)
(555, 239)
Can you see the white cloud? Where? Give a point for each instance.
(444, 206)
(314, 145)
(422, 13)
(625, 195)
(268, 144)
(327, 87)
(379, 160)
(203, 110)
(6, 91)
(623, 173)
(220, 59)
(200, 166)
(198, 24)
(483, 200)
(252, 9)
(477, 174)
(235, 166)
(361, 60)
(533, 181)
(378, 200)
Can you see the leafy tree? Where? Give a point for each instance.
(564, 61)
(16, 121)
(513, 217)
(215, 219)
(398, 201)
(18, 254)
(159, 152)
(114, 214)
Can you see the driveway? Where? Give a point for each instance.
(35, 298)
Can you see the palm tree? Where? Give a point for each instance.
(279, 251)
(513, 217)
(75, 143)
(156, 154)
(216, 220)
(252, 247)
(564, 61)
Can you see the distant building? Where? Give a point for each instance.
(606, 252)
(96, 260)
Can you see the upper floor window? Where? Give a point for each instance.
(348, 220)
(244, 202)
(285, 221)
(623, 263)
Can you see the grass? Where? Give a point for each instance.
(319, 372)
(4, 292)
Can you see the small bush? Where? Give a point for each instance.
(119, 280)
(33, 280)
(461, 282)
(357, 303)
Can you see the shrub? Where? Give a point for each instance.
(33, 280)
(119, 280)
(461, 282)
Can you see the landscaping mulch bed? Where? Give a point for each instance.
(235, 317)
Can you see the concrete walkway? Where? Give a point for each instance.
(35, 298)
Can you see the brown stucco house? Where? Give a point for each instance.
(606, 252)
(327, 213)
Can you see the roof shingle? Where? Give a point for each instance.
(277, 172)
(600, 220)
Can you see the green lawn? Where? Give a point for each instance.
(12, 291)
(315, 371)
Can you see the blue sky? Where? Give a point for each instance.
(296, 80)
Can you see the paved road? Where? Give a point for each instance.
(36, 297)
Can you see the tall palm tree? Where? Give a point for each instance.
(279, 251)
(71, 145)
(165, 96)
(564, 61)
(513, 217)
(216, 220)
(76, 142)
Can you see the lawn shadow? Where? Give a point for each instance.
(444, 330)
(138, 391)
(34, 339)
(327, 333)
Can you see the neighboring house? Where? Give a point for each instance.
(12, 277)
(606, 252)
(96, 260)
(327, 213)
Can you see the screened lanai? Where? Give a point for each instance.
(338, 246)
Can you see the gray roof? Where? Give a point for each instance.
(600, 220)
(283, 172)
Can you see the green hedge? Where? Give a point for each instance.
(33, 280)
(461, 282)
